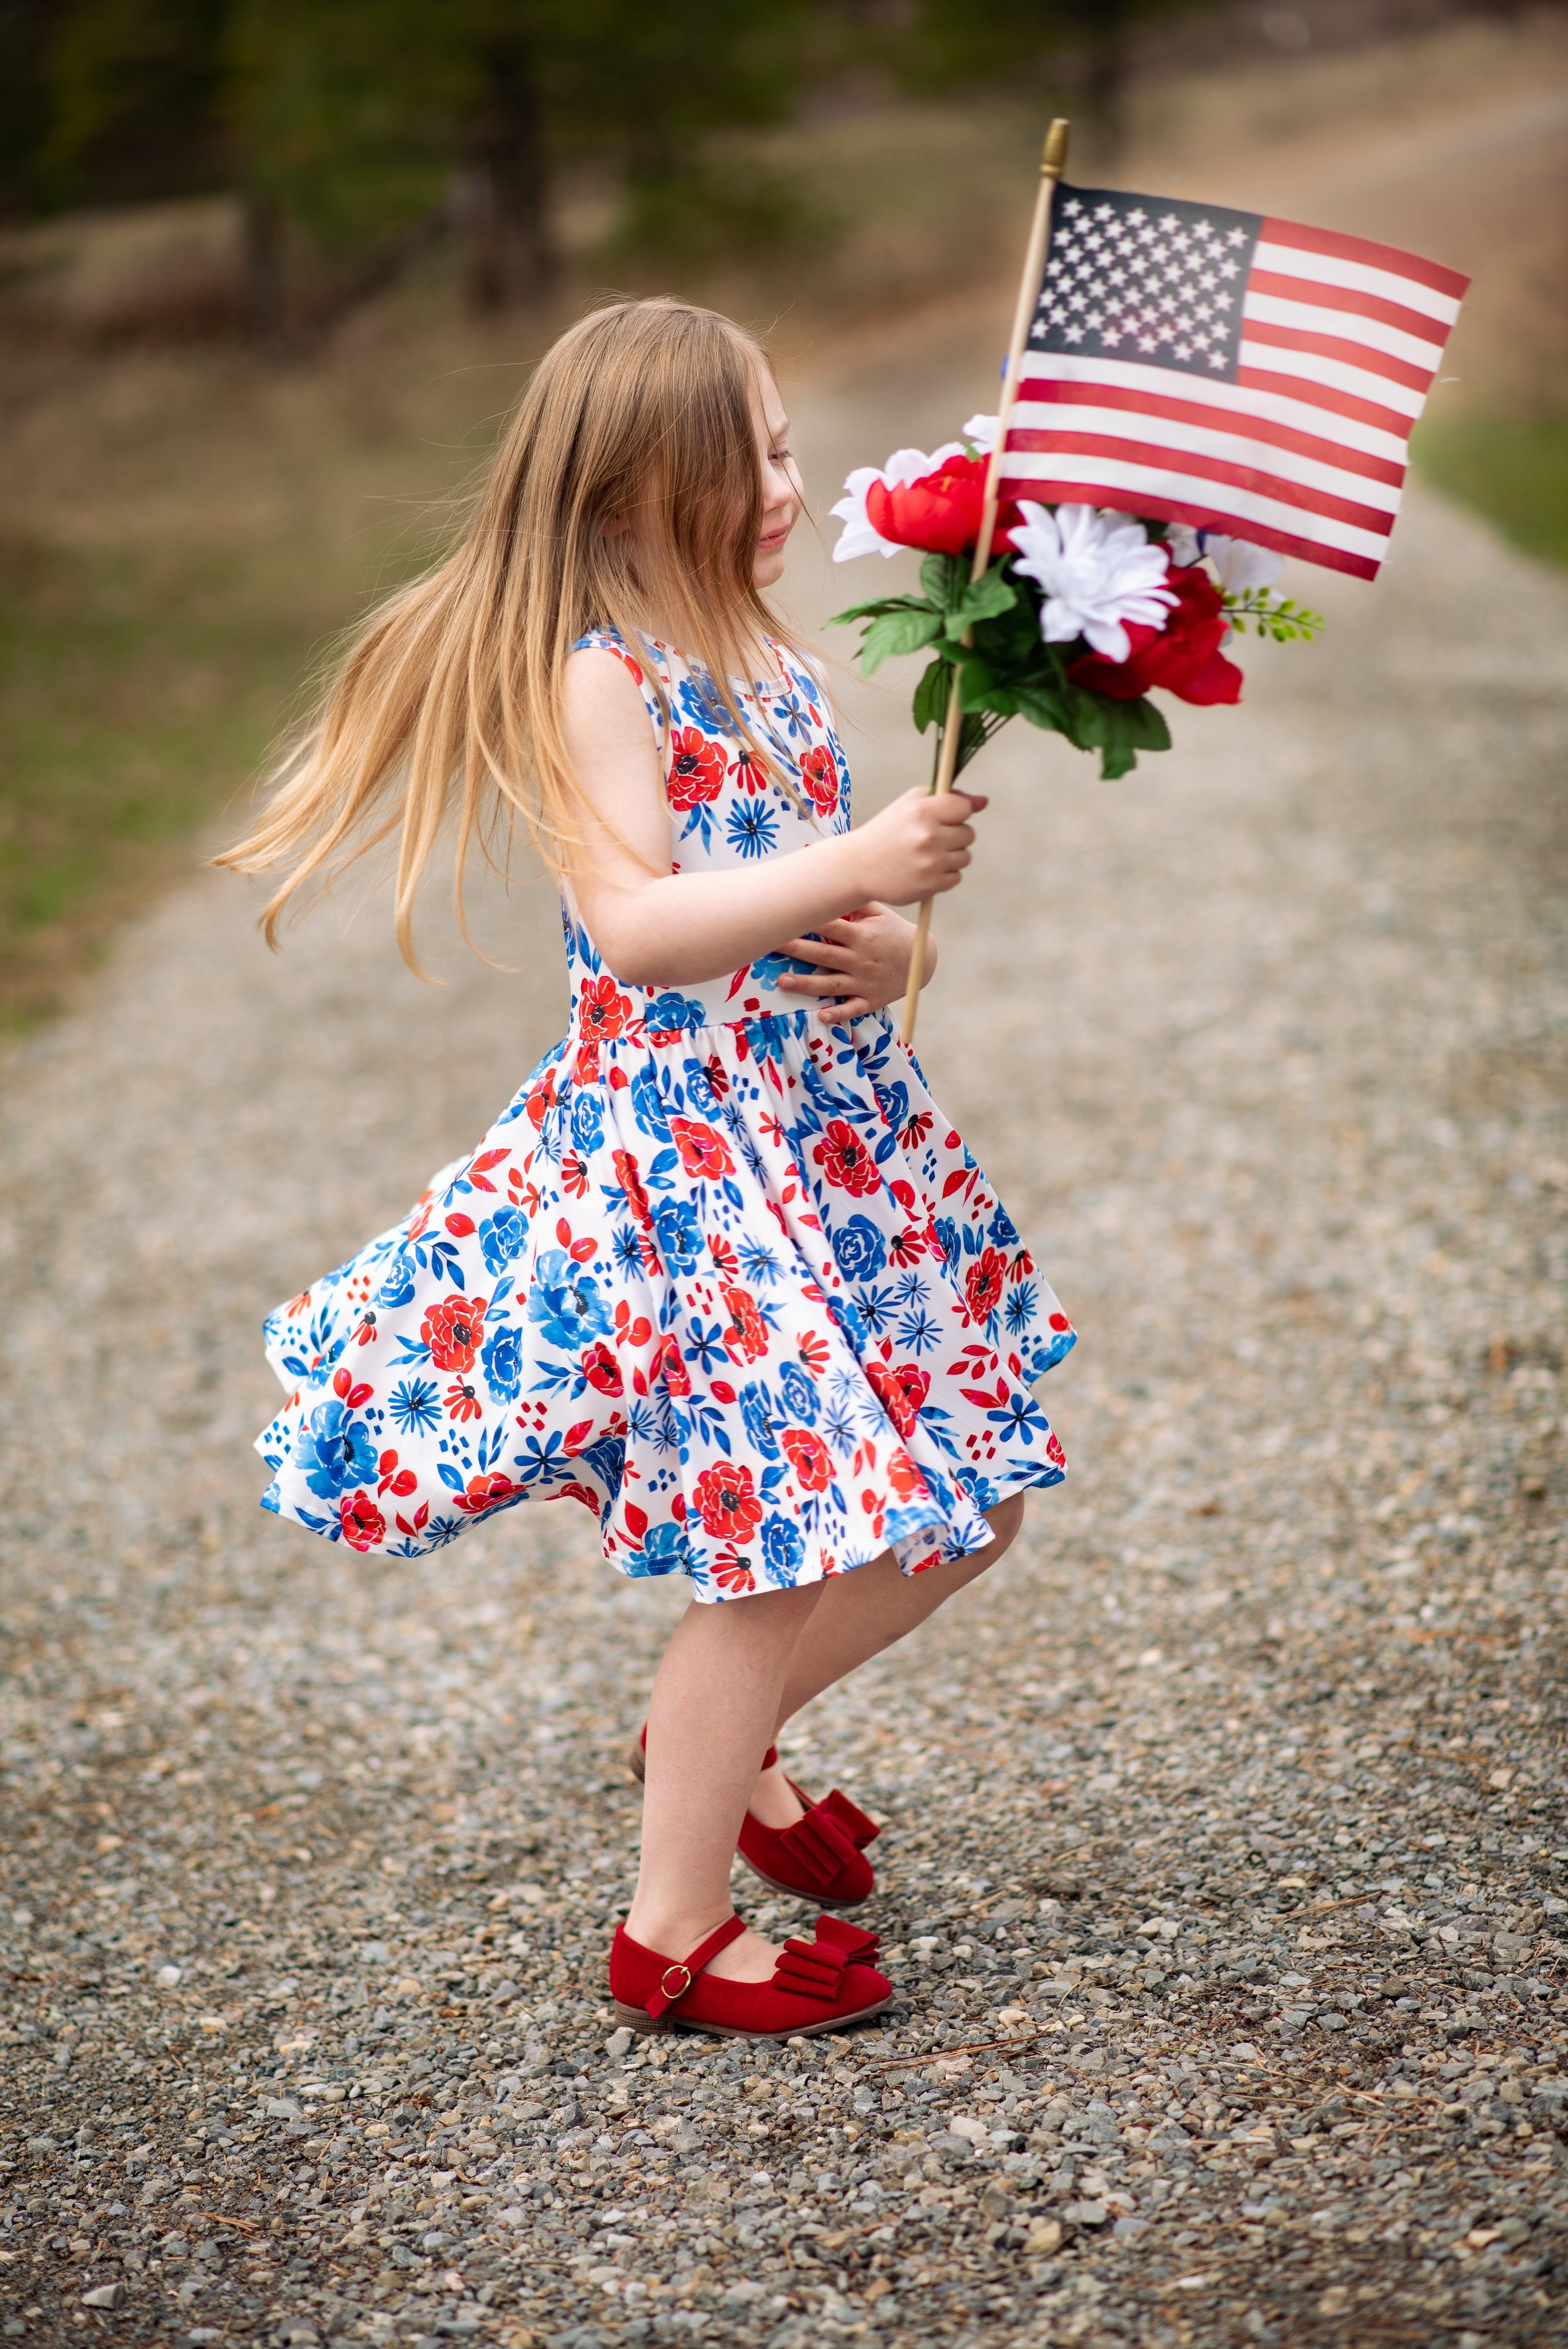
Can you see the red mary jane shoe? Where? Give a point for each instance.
(820, 1858)
(816, 1986)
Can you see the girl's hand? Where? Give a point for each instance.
(863, 963)
(917, 847)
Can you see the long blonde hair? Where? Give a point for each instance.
(633, 444)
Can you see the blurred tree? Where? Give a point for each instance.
(132, 90)
(26, 32)
(369, 126)
(940, 43)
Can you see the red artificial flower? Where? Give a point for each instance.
(899, 1392)
(1183, 658)
(696, 767)
(702, 1150)
(453, 1332)
(844, 1159)
(602, 1009)
(809, 1457)
(750, 1333)
(984, 1282)
(820, 776)
(940, 512)
(363, 1524)
(726, 1502)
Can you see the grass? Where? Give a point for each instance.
(135, 697)
(1515, 474)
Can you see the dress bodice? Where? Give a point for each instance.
(726, 811)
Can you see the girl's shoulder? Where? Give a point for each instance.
(645, 666)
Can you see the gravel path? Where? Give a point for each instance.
(1232, 1805)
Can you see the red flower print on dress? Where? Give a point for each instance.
(1054, 1452)
(697, 765)
(667, 1364)
(727, 1502)
(462, 1403)
(601, 1370)
(486, 1492)
(453, 1330)
(900, 1392)
(602, 1009)
(750, 1333)
(820, 776)
(703, 1150)
(846, 1160)
(985, 1281)
(906, 1478)
(732, 1573)
(364, 1527)
(809, 1457)
(630, 1181)
(1059, 1322)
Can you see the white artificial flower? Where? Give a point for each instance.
(1098, 570)
(980, 433)
(1237, 563)
(903, 466)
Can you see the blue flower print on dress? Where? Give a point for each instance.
(784, 1552)
(719, 1273)
(503, 1237)
(501, 1357)
(335, 1451)
(679, 1234)
(565, 1302)
(858, 1247)
(799, 1396)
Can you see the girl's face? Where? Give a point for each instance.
(782, 496)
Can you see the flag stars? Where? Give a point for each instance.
(1120, 277)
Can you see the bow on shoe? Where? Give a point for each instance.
(831, 1833)
(815, 1969)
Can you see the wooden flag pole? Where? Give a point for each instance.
(1052, 163)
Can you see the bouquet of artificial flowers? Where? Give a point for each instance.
(1078, 615)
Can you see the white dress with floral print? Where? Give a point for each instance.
(723, 1274)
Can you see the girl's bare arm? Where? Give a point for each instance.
(658, 928)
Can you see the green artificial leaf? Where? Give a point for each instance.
(1116, 761)
(1042, 705)
(944, 578)
(985, 598)
(898, 632)
(931, 694)
(874, 610)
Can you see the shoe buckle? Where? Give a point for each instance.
(681, 1988)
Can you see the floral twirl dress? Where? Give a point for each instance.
(726, 1275)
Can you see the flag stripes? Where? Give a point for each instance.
(1299, 442)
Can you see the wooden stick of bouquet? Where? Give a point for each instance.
(1052, 163)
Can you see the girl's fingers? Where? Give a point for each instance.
(815, 982)
(835, 1015)
(822, 950)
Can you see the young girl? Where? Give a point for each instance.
(720, 1270)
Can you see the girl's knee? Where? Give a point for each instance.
(1006, 1522)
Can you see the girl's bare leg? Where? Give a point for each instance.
(858, 1615)
(710, 1720)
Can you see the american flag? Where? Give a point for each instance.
(1238, 373)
